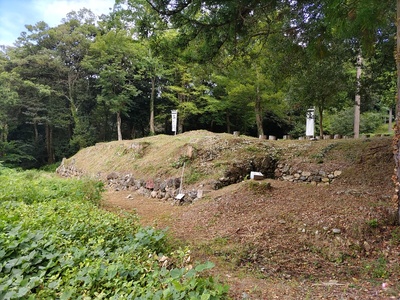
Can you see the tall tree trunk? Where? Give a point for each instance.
(49, 144)
(73, 106)
(258, 112)
(36, 133)
(119, 126)
(321, 126)
(4, 133)
(152, 96)
(180, 124)
(357, 102)
(396, 138)
(228, 123)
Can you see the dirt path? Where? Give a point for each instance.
(151, 212)
(161, 214)
(267, 246)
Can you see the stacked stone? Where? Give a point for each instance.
(153, 188)
(320, 177)
(68, 171)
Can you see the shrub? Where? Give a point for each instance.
(343, 122)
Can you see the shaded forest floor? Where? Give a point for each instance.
(275, 239)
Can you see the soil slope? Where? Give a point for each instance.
(271, 239)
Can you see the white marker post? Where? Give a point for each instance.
(174, 115)
(310, 123)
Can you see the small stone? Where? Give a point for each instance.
(316, 178)
(306, 174)
(367, 246)
(337, 173)
(288, 177)
(336, 231)
(150, 184)
(112, 175)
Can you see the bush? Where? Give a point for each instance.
(370, 122)
(343, 122)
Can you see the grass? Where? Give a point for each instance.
(259, 187)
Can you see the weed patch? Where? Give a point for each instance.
(57, 244)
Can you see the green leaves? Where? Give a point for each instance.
(206, 266)
(58, 247)
(33, 186)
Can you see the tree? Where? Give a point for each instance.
(210, 26)
(396, 139)
(39, 66)
(72, 40)
(137, 17)
(114, 60)
(8, 97)
(185, 91)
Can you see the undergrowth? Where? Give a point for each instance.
(57, 244)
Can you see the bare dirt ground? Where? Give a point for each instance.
(280, 240)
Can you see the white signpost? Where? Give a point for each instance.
(310, 122)
(174, 115)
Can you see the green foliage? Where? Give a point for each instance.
(229, 66)
(56, 245)
(84, 134)
(373, 223)
(342, 122)
(50, 168)
(16, 154)
(378, 268)
(34, 186)
(370, 121)
(259, 187)
(299, 128)
(395, 239)
(181, 161)
(193, 176)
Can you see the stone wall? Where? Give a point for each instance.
(168, 189)
(319, 177)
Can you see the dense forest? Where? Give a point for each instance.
(248, 66)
